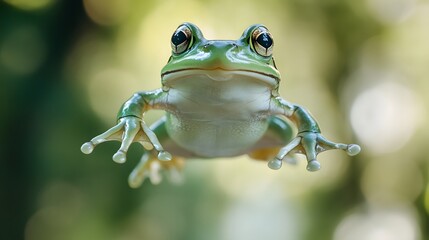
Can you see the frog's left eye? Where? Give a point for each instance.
(262, 42)
(181, 39)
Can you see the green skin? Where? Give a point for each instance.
(221, 100)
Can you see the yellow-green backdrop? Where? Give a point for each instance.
(361, 68)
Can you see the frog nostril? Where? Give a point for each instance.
(206, 47)
(235, 48)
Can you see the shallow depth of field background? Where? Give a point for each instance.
(361, 68)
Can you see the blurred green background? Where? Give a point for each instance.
(361, 67)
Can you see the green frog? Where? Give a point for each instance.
(221, 100)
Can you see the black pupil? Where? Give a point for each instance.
(178, 38)
(264, 40)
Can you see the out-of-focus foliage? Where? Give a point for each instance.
(67, 66)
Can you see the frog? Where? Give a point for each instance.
(221, 100)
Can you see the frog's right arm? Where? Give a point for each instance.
(131, 126)
(309, 140)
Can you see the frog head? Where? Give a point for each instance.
(249, 56)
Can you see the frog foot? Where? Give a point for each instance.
(311, 144)
(152, 167)
(128, 130)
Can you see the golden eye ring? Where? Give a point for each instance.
(262, 42)
(181, 40)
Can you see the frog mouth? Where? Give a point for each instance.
(218, 74)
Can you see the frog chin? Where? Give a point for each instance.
(218, 74)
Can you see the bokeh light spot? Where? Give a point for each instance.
(107, 89)
(385, 116)
(395, 224)
(391, 10)
(266, 217)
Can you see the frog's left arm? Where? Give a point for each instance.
(309, 139)
(131, 127)
(141, 102)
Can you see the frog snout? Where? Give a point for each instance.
(221, 53)
(220, 45)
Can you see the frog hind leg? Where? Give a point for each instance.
(150, 166)
(278, 134)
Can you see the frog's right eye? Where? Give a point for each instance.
(262, 42)
(181, 39)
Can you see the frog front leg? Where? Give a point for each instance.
(309, 140)
(132, 128)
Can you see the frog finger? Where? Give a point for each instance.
(351, 149)
(309, 143)
(328, 145)
(162, 154)
(140, 172)
(155, 172)
(276, 163)
(88, 147)
(131, 129)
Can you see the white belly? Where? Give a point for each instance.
(218, 118)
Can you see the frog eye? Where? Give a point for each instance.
(262, 42)
(181, 39)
